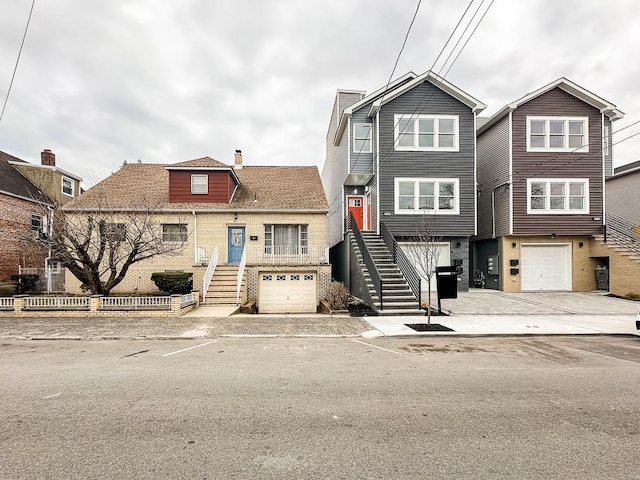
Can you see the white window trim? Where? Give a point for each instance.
(73, 186)
(416, 118)
(435, 211)
(566, 211)
(368, 137)
(206, 185)
(585, 144)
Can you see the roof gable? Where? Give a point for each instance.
(346, 114)
(605, 107)
(474, 104)
(13, 183)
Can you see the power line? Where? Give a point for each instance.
(15, 69)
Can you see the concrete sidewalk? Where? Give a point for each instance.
(477, 312)
(508, 325)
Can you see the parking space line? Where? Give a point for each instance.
(379, 348)
(190, 348)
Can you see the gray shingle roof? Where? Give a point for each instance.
(14, 183)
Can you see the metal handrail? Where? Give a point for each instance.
(243, 263)
(402, 261)
(366, 256)
(627, 229)
(208, 274)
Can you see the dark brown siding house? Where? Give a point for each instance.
(542, 164)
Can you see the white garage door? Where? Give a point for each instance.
(413, 249)
(287, 292)
(546, 267)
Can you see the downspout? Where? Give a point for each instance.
(195, 237)
(493, 213)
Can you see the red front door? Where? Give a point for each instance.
(355, 206)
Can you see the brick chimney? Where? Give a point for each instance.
(238, 160)
(48, 158)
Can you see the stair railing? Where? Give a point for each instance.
(402, 261)
(243, 263)
(629, 231)
(366, 256)
(208, 274)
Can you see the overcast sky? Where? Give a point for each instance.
(167, 81)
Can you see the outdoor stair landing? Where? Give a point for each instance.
(397, 297)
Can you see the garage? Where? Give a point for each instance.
(546, 267)
(287, 292)
(414, 249)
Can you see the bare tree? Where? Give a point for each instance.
(99, 246)
(424, 250)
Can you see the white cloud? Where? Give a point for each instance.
(103, 82)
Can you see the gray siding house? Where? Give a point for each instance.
(398, 159)
(542, 164)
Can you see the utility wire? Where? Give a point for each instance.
(381, 160)
(15, 69)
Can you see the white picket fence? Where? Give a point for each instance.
(134, 303)
(6, 303)
(59, 303)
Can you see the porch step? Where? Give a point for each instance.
(223, 288)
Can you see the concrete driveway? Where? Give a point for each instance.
(494, 302)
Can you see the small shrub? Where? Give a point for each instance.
(633, 296)
(24, 283)
(173, 283)
(337, 296)
(7, 289)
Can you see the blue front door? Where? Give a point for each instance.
(235, 242)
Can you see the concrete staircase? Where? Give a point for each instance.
(397, 297)
(222, 290)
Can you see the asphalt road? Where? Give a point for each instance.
(340, 408)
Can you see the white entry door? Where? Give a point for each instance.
(546, 267)
(287, 292)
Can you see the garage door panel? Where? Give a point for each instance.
(287, 292)
(546, 267)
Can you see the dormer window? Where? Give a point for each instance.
(199, 184)
(67, 186)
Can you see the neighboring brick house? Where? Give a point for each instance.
(271, 217)
(26, 190)
(542, 164)
(401, 154)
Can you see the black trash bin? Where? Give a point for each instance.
(602, 277)
(447, 282)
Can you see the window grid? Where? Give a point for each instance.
(362, 138)
(418, 196)
(561, 134)
(199, 184)
(558, 196)
(67, 186)
(426, 132)
(174, 232)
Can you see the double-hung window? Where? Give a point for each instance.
(174, 232)
(362, 138)
(37, 223)
(199, 184)
(426, 132)
(427, 195)
(558, 195)
(558, 134)
(286, 239)
(68, 186)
